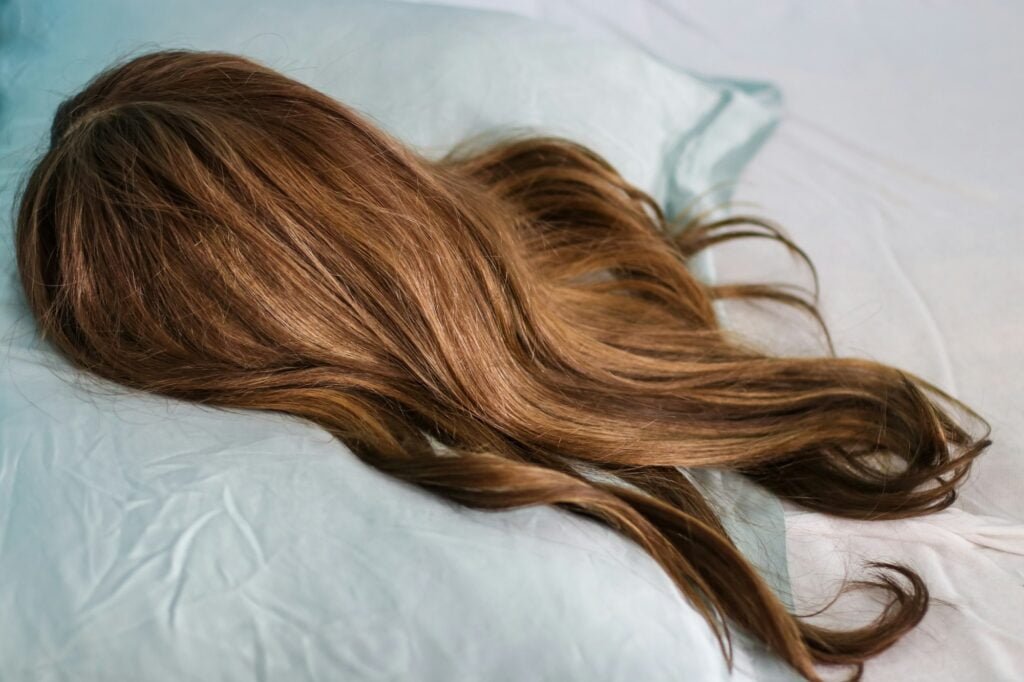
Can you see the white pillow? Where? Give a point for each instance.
(149, 539)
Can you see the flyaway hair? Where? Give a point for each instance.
(497, 326)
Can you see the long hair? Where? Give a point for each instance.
(513, 324)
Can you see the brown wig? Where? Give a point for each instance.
(496, 326)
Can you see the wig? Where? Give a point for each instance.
(511, 324)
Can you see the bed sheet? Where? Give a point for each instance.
(897, 168)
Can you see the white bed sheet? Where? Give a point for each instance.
(898, 169)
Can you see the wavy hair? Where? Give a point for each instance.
(512, 324)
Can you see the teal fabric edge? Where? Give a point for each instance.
(754, 517)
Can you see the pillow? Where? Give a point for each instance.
(145, 538)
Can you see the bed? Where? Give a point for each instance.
(891, 167)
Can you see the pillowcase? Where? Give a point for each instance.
(145, 538)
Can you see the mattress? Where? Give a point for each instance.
(897, 168)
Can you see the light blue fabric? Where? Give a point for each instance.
(147, 539)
